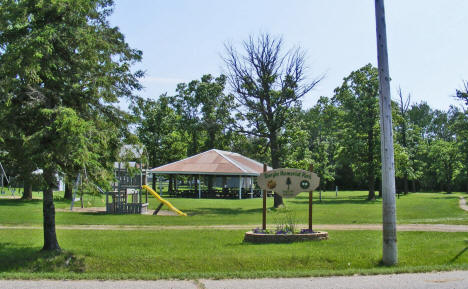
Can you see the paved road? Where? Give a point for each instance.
(440, 280)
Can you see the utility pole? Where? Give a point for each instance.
(390, 251)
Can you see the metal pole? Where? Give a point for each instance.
(389, 248)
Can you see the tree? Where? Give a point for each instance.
(62, 67)
(268, 85)
(461, 128)
(463, 94)
(445, 162)
(159, 133)
(421, 115)
(358, 98)
(324, 143)
(402, 136)
(205, 113)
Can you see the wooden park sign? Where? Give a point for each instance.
(288, 183)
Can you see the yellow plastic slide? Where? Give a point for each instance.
(158, 197)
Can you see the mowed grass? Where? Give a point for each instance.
(350, 207)
(220, 254)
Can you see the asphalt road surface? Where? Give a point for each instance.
(440, 280)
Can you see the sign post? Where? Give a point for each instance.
(311, 198)
(264, 195)
(310, 211)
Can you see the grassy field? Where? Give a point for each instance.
(212, 253)
(347, 208)
(220, 254)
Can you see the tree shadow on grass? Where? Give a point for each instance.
(30, 259)
(350, 200)
(446, 197)
(18, 202)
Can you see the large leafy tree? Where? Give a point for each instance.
(62, 67)
(461, 127)
(445, 162)
(322, 121)
(268, 85)
(357, 97)
(205, 113)
(157, 130)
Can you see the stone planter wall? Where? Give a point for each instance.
(252, 237)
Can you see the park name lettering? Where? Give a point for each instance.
(288, 174)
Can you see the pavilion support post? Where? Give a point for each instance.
(251, 187)
(160, 184)
(199, 187)
(240, 187)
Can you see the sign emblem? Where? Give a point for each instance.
(305, 184)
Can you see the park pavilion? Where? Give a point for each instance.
(211, 174)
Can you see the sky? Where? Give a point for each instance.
(182, 40)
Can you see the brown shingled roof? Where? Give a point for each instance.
(213, 162)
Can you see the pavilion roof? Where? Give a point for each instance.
(213, 162)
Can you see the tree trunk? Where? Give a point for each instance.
(27, 189)
(405, 145)
(405, 184)
(68, 188)
(371, 195)
(449, 178)
(210, 143)
(278, 200)
(194, 146)
(467, 181)
(48, 210)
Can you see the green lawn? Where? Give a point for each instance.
(217, 254)
(347, 208)
(221, 253)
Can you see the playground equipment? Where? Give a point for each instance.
(163, 202)
(9, 180)
(126, 196)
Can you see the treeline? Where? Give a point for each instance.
(339, 135)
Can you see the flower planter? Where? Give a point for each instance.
(260, 238)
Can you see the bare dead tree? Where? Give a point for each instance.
(268, 83)
(404, 107)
